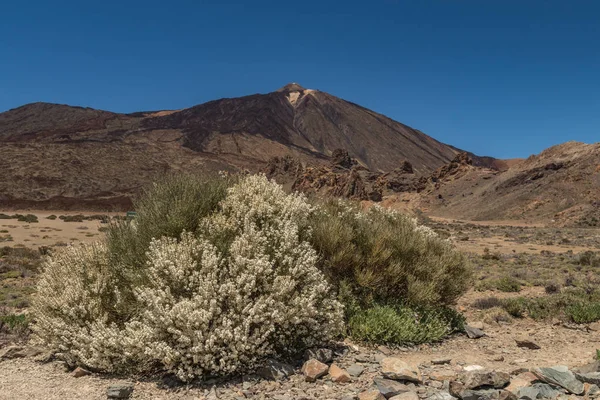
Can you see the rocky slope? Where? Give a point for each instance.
(60, 156)
(560, 185)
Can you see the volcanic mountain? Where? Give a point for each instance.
(61, 156)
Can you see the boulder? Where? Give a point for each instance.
(275, 370)
(314, 369)
(339, 375)
(560, 376)
(395, 368)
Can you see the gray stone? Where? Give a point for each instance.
(275, 370)
(590, 377)
(546, 391)
(355, 370)
(120, 390)
(389, 388)
(322, 354)
(474, 333)
(478, 379)
(528, 393)
(561, 376)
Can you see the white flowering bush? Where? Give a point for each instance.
(245, 286)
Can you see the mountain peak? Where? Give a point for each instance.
(291, 87)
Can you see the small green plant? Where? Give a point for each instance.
(508, 284)
(597, 354)
(401, 325)
(51, 217)
(582, 313)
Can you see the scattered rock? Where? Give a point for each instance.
(371, 395)
(593, 391)
(528, 393)
(442, 376)
(406, 396)
(478, 379)
(339, 375)
(590, 377)
(473, 333)
(323, 355)
(394, 368)
(275, 370)
(527, 344)
(522, 380)
(561, 376)
(487, 394)
(546, 391)
(441, 361)
(120, 390)
(79, 372)
(385, 350)
(389, 388)
(498, 358)
(355, 370)
(314, 369)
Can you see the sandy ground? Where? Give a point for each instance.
(47, 232)
(23, 379)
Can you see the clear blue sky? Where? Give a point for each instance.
(505, 78)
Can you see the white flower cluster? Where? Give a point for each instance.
(247, 288)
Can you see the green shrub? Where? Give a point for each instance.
(14, 324)
(30, 218)
(582, 313)
(172, 205)
(403, 325)
(508, 284)
(385, 256)
(51, 217)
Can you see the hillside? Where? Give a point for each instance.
(560, 185)
(68, 157)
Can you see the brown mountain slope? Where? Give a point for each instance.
(60, 156)
(561, 184)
